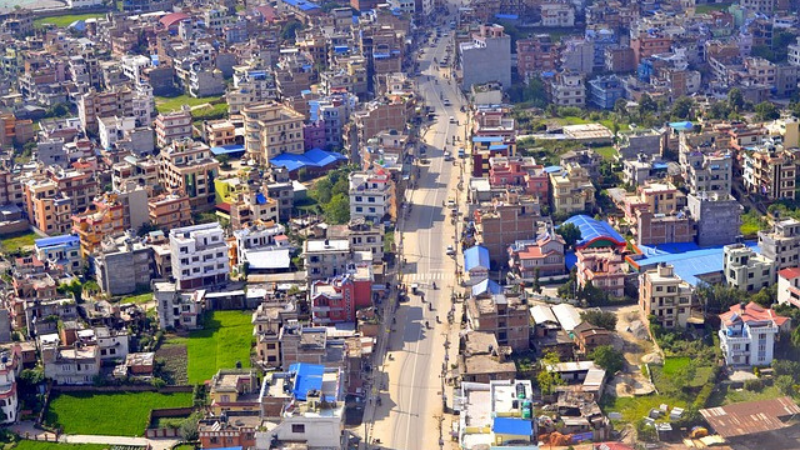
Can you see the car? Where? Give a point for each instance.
(462, 153)
(447, 155)
(451, 203)
(451, 251)
(453, 120)
(446, 102)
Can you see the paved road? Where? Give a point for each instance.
(412, 401)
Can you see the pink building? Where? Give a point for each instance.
(314, 135)
(602, 268)
(520, 172)
(337, 299)
(545, 254)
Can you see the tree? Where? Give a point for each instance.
(785, 384)
(608, 358)
(719, 297)
(289, 31)
(736, 100)
(32, 377)
(646, 106)
(547, 381)
(682, 108)
(322, 190)
(766, 296)
(767, 111)
(719, 110)
(621, 108)
(337, 211)
(570, 232)
(536, 283)
(602, 319)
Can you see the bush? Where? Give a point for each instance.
(754, 385)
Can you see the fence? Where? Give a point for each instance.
(165, 412)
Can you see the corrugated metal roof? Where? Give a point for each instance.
(746, 418)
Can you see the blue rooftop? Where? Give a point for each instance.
(302, 5)
(227, 150)
(67, 239)
(476, 256)
(552, 169)
(506, 16)
(487, 139)
(308, 377)
(594, 230)
(315, 158)
(684, 126)
(689, 260)
(487, 287)
(516, 427)
(498, 147)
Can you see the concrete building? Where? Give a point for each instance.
(10, 368)
(535, 55)
(363, 236)
(666, 296)
(602, 268)
(63, 250)
(337, 299)
(168, 211)
(568, 89)
(748, 334)
(173, 126)
(717, 218)
(179, 310)
(781, 244)
(572, 190)
(789, 287)
(272, 129)
(746, 270)
(94, 105)
(123, 265)
(605, 91)
(102, 219)
(68, 364)
(487, 57)
(372, 196)
(326, 258)
(505, 316)
(557, 15)
(188, 166)
(199, 256)
(496, 412)
(543, 257)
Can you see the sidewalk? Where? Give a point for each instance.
(27, 430)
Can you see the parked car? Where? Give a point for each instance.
(450, 250)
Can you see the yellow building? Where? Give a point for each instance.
(572, 190)
(234, 390)
(272, 129)
(187, 166)
(104, 217)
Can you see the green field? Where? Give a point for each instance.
(674, 365)
(64, 21)
(708, 7)
(39, 445)
(608, 152)
(167, 104)
(225, 339)
(635, 408)
(138, 299)
(752, 223)
(110, 413)
(17, 241)
(724, 395)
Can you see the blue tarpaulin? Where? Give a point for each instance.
(516, 427)
(593, 230)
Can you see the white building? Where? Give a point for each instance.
(745, 269)
(789, 286)
(77, 4)
(496, 413)
(133, 67)
(262, 246)
(371, 196)
(68, 364)
(113, 129)
(326, 258)
(112, 344)
(199, 256)
(10, 366)
(311, 411)
(176, 309)
(748, 333)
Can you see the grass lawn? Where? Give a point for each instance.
(39, 445)
(674, 365)
(608, 152)
(572, 120)
(17, 241)
(608, 123)
(64, 21)
(110, 413)
(723, 395)
(167, 104)
(635, 408)
(752, 223)
(226, 339)
(708, 7)
(138, 299)
(388, 241)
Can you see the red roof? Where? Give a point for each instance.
(790, 273)
(753, 312)
(172, 19)
(267, 12)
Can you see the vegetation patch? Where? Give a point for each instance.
(224, 341)
(40, 445)
(64, 21)
(138, 299)
(17, 242)
(173, 358)
(752, 223)
(102, 413)
(169, 104)
(635, 408)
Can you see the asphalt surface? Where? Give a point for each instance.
(412, 402)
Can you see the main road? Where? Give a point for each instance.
(409, 384)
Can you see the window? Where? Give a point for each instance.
(298, 428)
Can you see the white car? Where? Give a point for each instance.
(447, 155)
(446, 102)
(450, 250)
(453, 119)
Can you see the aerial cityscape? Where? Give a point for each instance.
(399, 225)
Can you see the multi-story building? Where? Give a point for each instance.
(188, 166)
(272, 129)
(257, 243)
(568, 89)
(505, 316)
(487, 57)
(706, 172)
(649, 43)
(507, 172)
(234, 390)
(176, 309)
(337, 299)
(745, 269)
(123, 265)
(372, 196)
(508, 218)
(63, 250)
(94, 105)
(173, 126)
(218, 133)
(602, 268)
(199, 256)
(542, 257)
(535, 55)
(326, 258)
(717, 218)
(558, 15)
(665, 296)
(168, 211)
(10, 368)
(748, 334)
(789, 287)
(102, 219)
(781, 244)
(769, 171)
(48, 209)
(572, 190)
(68, 364)
(605, 91)
(363, 236)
